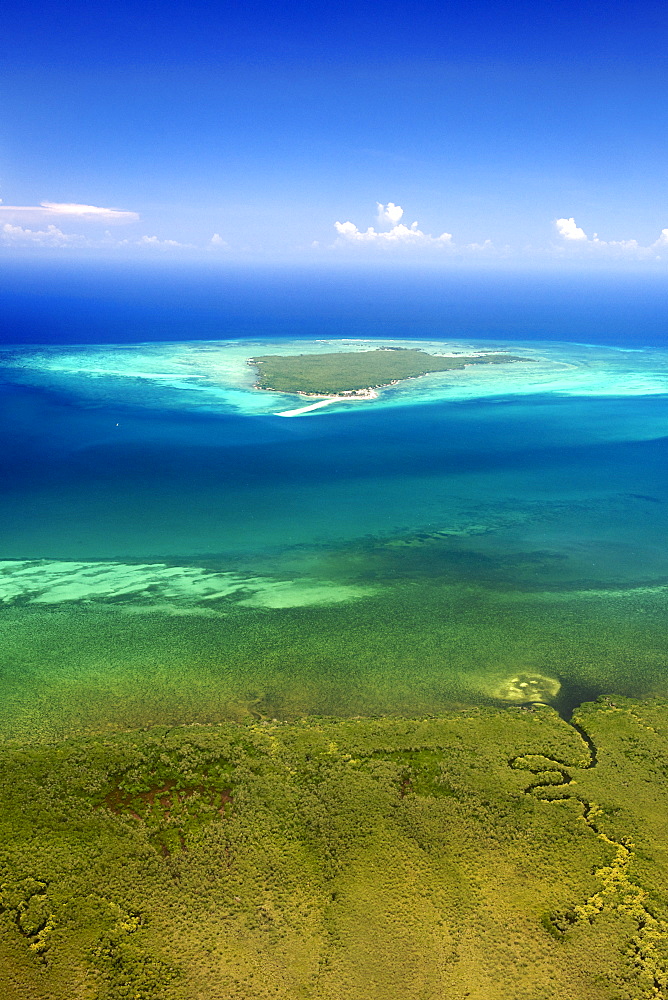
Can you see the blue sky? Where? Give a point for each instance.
(245, 132)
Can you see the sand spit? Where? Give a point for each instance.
(307, 409)
(359, 396)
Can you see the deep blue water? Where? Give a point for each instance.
(106, 479)
(61, 302)
(101, 482)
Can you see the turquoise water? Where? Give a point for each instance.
(173, 549)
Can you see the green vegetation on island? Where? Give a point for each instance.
(351, 371)
(488, 853)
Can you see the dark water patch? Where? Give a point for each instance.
(642, 496)
(573, 694)
(448, 561)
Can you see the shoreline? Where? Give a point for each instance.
(359, 395)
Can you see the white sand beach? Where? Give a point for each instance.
(360, 395)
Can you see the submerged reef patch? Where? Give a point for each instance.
(526, 687)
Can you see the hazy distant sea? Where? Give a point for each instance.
(174, 551)
(61, 302)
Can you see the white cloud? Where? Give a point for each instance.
(347, 229)
(622, 244)
(153, 241)
(218, 241)
(389, 214)
(398, 235)
(49, 237)
(17, 236)
(486, 245)
(572, 233)
(89, 213)
(568, 229)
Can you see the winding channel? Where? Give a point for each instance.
(617, 892)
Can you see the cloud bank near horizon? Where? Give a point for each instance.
(49, 224)
(53, 237)
(57, 209)
(574, 235)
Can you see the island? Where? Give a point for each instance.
(359, 373)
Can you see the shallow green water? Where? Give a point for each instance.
(417, 645)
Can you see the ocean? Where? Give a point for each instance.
(174, 550)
